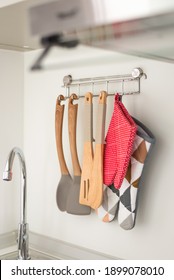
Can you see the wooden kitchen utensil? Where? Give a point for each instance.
(96, 184)
(87, 152)
(73, 206)
(66, 181)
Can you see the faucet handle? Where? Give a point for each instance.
(22, 240)
(20, 236)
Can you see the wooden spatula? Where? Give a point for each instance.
(65, 182)
(73, 206)
(87, 152)
(96, 184)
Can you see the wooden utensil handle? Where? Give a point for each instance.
(58, 132)
(96, 190)
(88, 151)
(88, 115)
(72, 124)
(102, 97)
(101, 116)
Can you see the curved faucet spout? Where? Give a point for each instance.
(23, 226)
(7, 176)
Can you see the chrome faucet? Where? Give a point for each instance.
(23, 236)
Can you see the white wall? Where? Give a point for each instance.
(152, 237)
(4, 3)
(11, 124)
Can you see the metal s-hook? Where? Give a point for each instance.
(67, 92)
(107, 82)
(92, 87)
(78, 92)
(122, 85)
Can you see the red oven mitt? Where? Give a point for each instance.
(119, 143)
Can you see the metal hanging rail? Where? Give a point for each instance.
(135, 75)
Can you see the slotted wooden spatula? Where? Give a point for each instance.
(87, 151)
(73, 206)
(96, 183)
